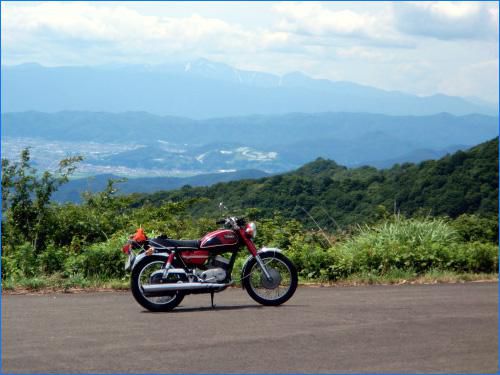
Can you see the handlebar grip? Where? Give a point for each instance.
(220, 222)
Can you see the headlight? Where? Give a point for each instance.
(251, 230)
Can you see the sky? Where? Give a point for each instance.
(422, 48)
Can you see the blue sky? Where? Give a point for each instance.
(417, 47)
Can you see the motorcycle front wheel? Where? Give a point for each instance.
(270, 292)
(148, 272)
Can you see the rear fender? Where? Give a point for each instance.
(264, 250)
(142, 255)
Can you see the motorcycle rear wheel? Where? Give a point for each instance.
(144, 272)
(271, 293)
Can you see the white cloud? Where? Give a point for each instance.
(363, 53)
(390, 26)
(447, 43)
(448, 20)
(52, 29)
(316, 20)
(313, 19)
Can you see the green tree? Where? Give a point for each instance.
(26, 196)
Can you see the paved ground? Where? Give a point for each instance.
(427, 328)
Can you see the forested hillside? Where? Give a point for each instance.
(464, 182)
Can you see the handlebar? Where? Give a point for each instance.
(231, 221)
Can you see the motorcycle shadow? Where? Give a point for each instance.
(181, 309)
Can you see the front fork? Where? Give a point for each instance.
(253, 250)
(264, 268)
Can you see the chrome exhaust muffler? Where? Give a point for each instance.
(156, 290)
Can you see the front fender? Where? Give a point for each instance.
(261, 251)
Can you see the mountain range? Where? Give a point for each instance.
(141, 144)
(72, 191)
(179, 120)
(205, 89)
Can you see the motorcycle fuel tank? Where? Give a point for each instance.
(219, 238)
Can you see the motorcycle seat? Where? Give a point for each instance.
(177, 244)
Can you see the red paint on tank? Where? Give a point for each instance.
(194, 257)
(219, 238)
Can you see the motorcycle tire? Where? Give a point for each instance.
(268, 259)
(149, 303)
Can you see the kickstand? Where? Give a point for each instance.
(212, 299)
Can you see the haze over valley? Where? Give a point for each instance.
(140, 144)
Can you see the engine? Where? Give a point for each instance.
(213, 275)
(216, 271)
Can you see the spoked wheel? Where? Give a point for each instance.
(283, 281)
(149, 271)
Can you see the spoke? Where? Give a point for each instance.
(145, 279)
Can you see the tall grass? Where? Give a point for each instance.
(414, 245)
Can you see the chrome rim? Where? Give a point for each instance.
(145, 279)
(275, 289)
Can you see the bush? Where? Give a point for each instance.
(52, 259)
(19, 261)
(104, 260)
(474, 257)
(476, 228)
(341, 261)
(10, 269)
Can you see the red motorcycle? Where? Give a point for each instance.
(165, 270)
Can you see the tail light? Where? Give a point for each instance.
(251, 230)
(126, 248)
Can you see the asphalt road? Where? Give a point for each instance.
(400, 329)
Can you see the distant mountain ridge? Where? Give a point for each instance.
(440, 129)
(273, 143)
(204, 89)
(72, 191)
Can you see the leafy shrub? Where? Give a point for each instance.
(19, 261)
(341, 263)
(474, 257)
(52, 259)
(476, 228)
(10, 270)
(104, 260)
